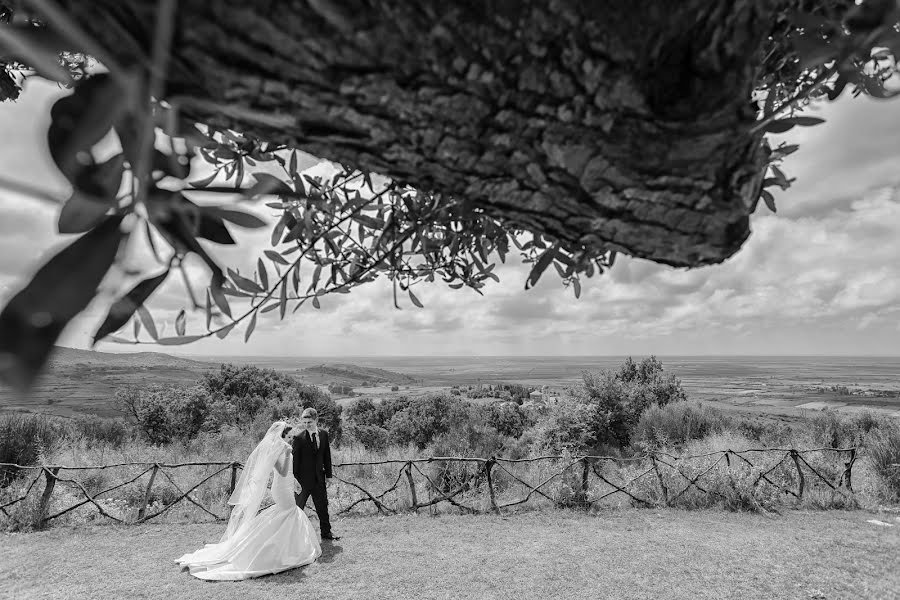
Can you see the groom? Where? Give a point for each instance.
(312, 467)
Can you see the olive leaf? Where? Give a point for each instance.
(34, 318)
(125, 307)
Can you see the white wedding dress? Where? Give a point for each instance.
(255, 544)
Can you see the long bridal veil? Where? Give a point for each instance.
(253, 482)
(260, 543)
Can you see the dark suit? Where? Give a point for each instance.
(311, 467)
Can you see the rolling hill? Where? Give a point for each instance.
(352, 375)
(63, 357)
(85, 382)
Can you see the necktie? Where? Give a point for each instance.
(315, 440)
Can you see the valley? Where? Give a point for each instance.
(83, 382)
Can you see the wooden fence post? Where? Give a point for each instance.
(585, 471)
(234, 469)
(802, 484)
(659, 477)
(487, 467)
(412, 487)
(432, 507)
(50, 476)
(143, 511)
(849, 468)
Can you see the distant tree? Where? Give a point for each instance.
(569, 425)
(248, 391)
(238, 396)
(362, 412)
(372, 437)
(150, 410)
(188, 409)
(427, 417)
(340, 388)
(509, 419)
(620, 398)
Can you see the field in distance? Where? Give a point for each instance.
(84, 382)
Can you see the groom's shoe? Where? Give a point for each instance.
(331, 536)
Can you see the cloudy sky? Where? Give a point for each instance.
(820, 277)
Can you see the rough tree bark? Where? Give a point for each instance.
(621, 124)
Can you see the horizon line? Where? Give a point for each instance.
(419, 356)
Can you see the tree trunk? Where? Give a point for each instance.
(621, 124)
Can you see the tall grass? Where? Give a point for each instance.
(676, 424)
(30, 439)
(677, 429)
(23, 441)
(884, 450)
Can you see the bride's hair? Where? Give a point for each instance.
(285, 431)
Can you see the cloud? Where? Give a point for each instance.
(520, 308)
(821, 276)
(853, 153)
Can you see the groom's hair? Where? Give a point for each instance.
(309, 413)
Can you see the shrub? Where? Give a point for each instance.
(884, 450)
(24, 439)
(340, 388)
(509, 418)
(621, 397)
(113, 432)
(188, 410)
(362, 412)
(150, 411)
(249, 391)
(567, 425)
(372, 437)
(730, 484)
(754, 430)
(834, 430)
(232, 396)
(675, 424)
(426, 418)
(25, 515)
(365, 412)
(238, 381)
(470, 438)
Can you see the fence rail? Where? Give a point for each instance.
(654, 479)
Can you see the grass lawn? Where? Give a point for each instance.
(542, 555)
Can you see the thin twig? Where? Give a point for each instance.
(86, 494)
(622, 489)
(98, 494)
(188, 497)
(180, 498)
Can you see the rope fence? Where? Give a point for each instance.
(471, 484)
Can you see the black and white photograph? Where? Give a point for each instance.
(420, 300)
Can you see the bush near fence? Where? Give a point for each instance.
(750, 479)
(610, 427)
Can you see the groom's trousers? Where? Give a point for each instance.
(320, 501)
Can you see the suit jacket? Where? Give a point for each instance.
(311, 466)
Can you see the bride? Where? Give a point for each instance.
(278, 538)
